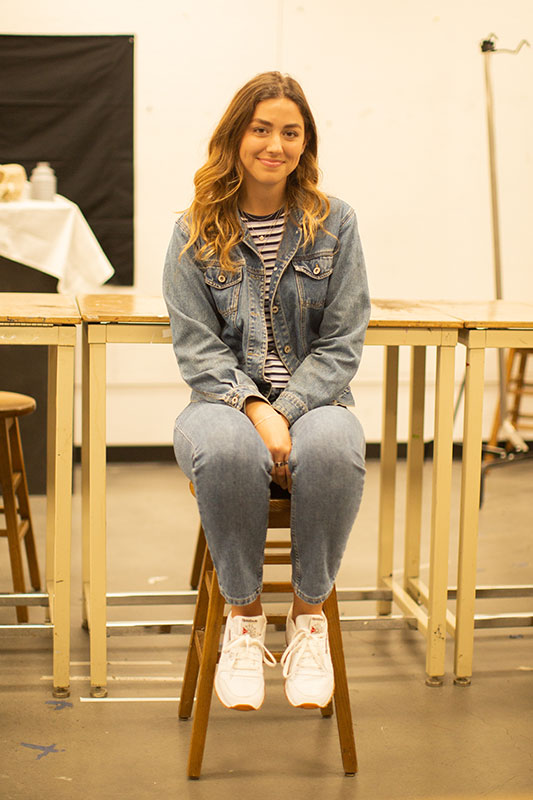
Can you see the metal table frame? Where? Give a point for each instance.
(423, 607)
(461, 625)
(31, 327)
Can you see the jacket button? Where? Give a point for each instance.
(287, 349)
(275, 309)
(221, 278)
(316, 270)
(234, 401)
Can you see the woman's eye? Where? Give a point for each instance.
(259, 130)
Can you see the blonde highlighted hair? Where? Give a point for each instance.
(213, 216)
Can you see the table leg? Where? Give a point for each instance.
(415, 467)
(440, 515)
(51, 491)
(85, 485)
(469, 514)
(387, 491)
(59, 505)
(94, 500)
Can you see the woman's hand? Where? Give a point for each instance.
(273, 428)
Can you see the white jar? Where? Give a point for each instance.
(43, 182)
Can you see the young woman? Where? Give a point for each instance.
(266, 290)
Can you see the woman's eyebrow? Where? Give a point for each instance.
(266, 122)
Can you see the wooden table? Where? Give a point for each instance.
(135, 319)
(50, 319)
(497, 324)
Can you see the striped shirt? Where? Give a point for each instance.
(267, 233)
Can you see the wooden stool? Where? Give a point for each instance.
(14, 488)
(203, 650)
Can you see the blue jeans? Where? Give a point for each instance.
(219, 449)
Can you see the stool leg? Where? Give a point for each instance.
(342, 696)
(198, 559)
(11, 515)
(192, 664)
(24, 505)
(215, 615)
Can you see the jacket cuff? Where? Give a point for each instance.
(237, 397)
(290, 405)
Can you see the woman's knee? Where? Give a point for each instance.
(332, 436)
(219, 437)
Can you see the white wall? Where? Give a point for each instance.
(397, 89)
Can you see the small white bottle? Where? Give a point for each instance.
(43, 182)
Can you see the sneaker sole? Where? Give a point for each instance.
(240, 706)
(309, 705)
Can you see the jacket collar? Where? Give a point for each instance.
(290, 242)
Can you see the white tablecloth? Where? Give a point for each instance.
(54, 237)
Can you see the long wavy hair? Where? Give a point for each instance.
(213, 216)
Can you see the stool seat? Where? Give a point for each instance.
(13, 404)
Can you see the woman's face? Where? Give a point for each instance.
(272, 143)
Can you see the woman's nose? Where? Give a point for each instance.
(274, 143)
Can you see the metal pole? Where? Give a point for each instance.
(488, 48)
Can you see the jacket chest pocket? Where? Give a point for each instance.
(312, 279)
(225, 288)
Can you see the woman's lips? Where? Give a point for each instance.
(270, 162)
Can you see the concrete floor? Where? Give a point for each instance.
(413, 741)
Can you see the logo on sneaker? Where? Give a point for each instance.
(249, 626)
(317, 626)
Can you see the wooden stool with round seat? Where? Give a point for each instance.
(204, 644)
(14, 489)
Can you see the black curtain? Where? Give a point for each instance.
(69, 100)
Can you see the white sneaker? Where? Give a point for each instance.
(239, 681)
(307, 666)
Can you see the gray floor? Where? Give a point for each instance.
(413, 741)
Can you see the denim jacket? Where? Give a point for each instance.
(319, 305)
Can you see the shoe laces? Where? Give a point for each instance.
(246, 652)
(305, 652)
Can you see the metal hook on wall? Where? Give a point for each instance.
(488, 45)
